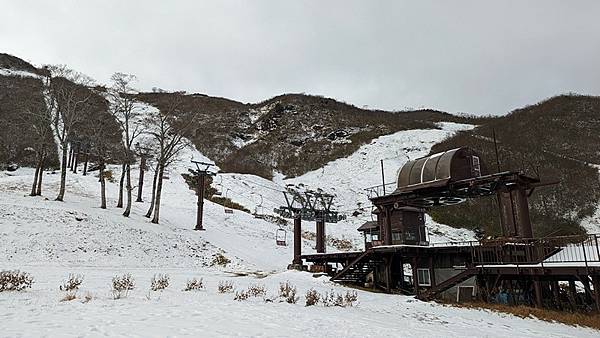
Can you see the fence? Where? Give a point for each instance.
(550, 250)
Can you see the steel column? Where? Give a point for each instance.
(320, 235)
(297, 240)
(200, 193)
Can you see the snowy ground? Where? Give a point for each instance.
(52, 239)
(173, 313)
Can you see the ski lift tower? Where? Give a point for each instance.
(309, 205)
(202, 170)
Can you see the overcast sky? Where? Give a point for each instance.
(458, 56)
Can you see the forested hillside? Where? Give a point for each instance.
(556, 139)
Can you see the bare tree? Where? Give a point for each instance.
(126, 112)
(105, 140)
(38, 119)
(66, 95)
(169, 129)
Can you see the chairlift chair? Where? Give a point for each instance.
(280, 237)
(227, 210)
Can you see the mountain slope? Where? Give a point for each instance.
(292, 134)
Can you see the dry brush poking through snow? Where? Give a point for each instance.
(15, 280)
(220, 259)
(194, 284)
(339, 299)
(159, 282)
(287, 292)
(225, 287)
(70, 286)
(255, 291)
(121, 285)
(312, 297)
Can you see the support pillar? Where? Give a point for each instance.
(297, 262)
(538, 293)
(556, 294)
(387, 261)
(200, 193)
(320, 235)
(573, 294)
(514, 213)
(596, 284)
(415, 276)
(388, 227)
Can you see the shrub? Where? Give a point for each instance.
(338, 299)
(194, 284)
(159, 282)
(72, 283)
(69, 296)
(241, 295)
(256, 291)
(15, 280)
(350, 298)
(225, 287)
(220, 259)
(287, 292)
(122, 285)
(312, 297)
(252, 291)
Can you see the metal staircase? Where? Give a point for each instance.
(357, 270)
(448, 283)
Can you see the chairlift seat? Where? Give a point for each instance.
(280, 237)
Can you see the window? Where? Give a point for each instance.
(423, 277)
(396, 236)
(375, 237)
(476, 166)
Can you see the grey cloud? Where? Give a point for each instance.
(459, 56)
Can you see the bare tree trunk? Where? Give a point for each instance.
(128, 188)
(70, 155)
(120, 202)
(35, 179)
(76, 160)
(102, 187)
(63, 174)
(151, 209)
(85, 164)
(38, 191)
(158, 193)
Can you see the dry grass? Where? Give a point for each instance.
(225, 287)
(69, 296)
(569, 318)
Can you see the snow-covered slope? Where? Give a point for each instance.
(51, 239)
(347, 178)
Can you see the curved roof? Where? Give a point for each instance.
(438, 169)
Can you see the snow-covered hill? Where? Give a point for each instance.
(347, 178)
(51, 239)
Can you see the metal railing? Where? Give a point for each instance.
(563, 249)
(544, 251)
(380, 190)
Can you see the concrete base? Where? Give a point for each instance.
(298, 267)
